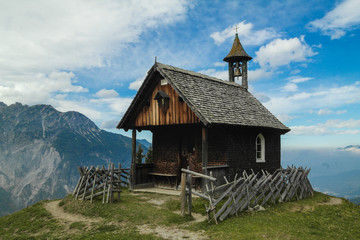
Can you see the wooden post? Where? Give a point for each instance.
(105, 183)
(119, 186)
(189, 186)
(204, 141)
(93, 186)
(133, 160)
(183, 194)
(111, 183)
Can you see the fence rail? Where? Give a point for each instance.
(94, 182)
(254, 189)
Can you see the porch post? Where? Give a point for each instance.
(133, 159)
(204, 151)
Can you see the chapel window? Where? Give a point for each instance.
(260, 148)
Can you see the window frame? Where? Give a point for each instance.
(262, 148)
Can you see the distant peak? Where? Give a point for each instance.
(2, 105)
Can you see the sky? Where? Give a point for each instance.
(92, 56)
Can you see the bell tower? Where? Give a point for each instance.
(237, 59)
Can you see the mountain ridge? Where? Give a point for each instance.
(41, 148)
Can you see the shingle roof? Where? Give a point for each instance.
(216, 101)
(213, 100)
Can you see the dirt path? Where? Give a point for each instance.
(171, 232)
(303, 208)
(332, 201)
(58, 213)
(161, 231)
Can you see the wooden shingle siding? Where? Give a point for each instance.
(177, 113)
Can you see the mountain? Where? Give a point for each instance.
(334, 171)
(41, 148)
(356, 200)
(144, 142)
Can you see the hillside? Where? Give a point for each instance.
(155, 216)
(334, 171)
(41, 148)
(356, 200)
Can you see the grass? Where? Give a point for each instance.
(305, 219)
(30, 223)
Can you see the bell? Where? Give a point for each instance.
(237, 72)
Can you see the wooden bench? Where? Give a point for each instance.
(168, 176)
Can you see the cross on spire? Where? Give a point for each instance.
(236, 28)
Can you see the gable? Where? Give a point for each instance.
(151, 114)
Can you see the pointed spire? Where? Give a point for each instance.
(237, 59)
(237, 52)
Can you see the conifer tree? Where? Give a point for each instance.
(140, 154)
(149, 155)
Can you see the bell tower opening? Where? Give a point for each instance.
(237, 59)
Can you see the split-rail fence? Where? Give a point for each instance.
(248, 191)
(94, 182)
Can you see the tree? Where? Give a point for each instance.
(140, 154)
(149, 155)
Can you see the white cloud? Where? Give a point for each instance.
(220, 64)
(261, 96)
(258, 74)
(95, 113)
(280, 52)
(42, 42)
(104, 93)
(351, 123)
(308, 130)
(344, 17)
(296, 79)
(111, 124)
(116, 105)
(339, 112)
(98, 110)
(247, 35)
(285, 118)
(319, 99)
(326, 111)
(295, 71)
(137, 83)
(253, 75)
(224, 75)
(292, 86)
(331, 127)
(37, 89)
(76, 34)
(353, 149)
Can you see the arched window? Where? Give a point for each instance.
(260, 148)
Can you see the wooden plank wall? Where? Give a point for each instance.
(177, 113)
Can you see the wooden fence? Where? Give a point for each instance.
(250, 190)
(94, 182)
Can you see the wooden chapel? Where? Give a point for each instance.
(201, 122)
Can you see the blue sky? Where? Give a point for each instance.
(91, 56)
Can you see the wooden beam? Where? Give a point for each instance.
(183, 194)
(133, 160)
(198, 174)
(204, 148)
